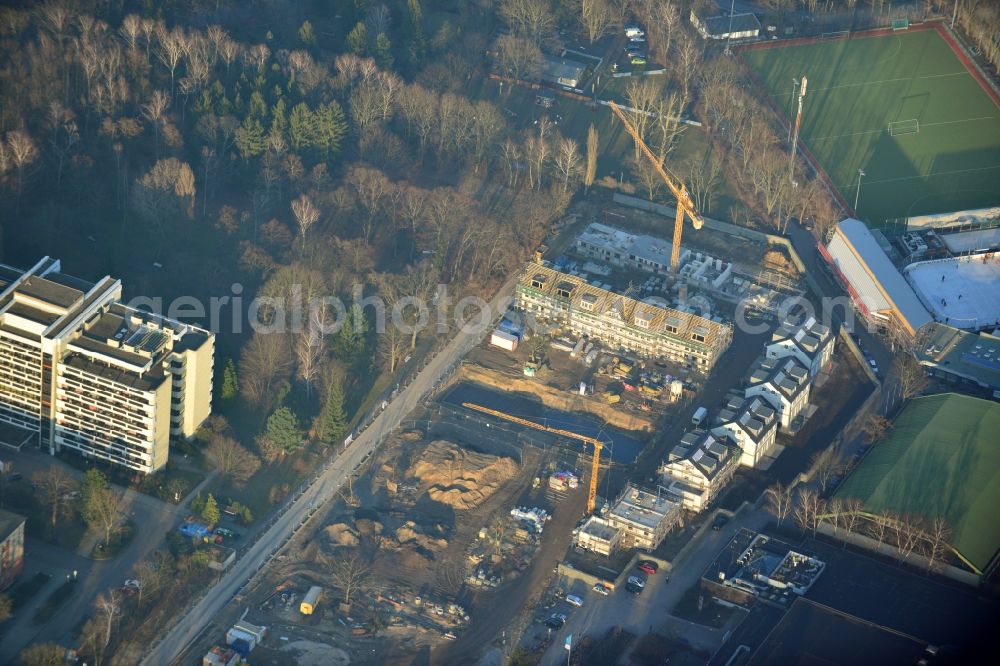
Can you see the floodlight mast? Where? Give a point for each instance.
(795, 136)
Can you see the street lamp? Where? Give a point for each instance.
(857, 193)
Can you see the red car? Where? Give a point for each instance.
(648, 566)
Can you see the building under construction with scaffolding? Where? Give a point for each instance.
(649, 327)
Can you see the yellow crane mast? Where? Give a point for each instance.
(595, 466)
(685, 205)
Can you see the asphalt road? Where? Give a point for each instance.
(651, 609)
(322, 490)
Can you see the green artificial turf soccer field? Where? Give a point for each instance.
(941, 458)
(858, 87)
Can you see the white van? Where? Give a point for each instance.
(699, 416)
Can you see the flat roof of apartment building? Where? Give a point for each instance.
(642, 507)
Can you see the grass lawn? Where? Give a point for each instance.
(857, 88)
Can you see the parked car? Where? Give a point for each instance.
(633, 31)
(633, 588)
(638, 60)
(874, 365)
(719, 521)
(555, 621)
(601, 589)
(638, 579)
(648, 566)
(574, 600)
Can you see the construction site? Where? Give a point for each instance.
(543, 441)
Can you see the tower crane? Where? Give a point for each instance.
(596, 443)
(685, 205)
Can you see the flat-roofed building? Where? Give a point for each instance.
(784, 383)
(699, 466)
(809, 341)
(598, 536)
(644, 517)
(621, 248)
(81, 370)
(621, 321)
(876, 286)
(736, 27)
(11, 547)
(967, 360)
(753, 424)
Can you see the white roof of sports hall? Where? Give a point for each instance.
(872, 274)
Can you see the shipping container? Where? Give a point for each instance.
(503, 340)
(311, 600)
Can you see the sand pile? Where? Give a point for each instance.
(342, 534)
(460, 478)
(407, 534)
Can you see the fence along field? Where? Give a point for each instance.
(900, 106)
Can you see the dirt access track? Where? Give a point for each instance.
(554, 398)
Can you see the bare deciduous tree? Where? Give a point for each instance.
(808, 507)
(22, 153)
(877, 427)
(597, 17)
(909, 375)
(371, 188)
(348, 573)
(265, 360)
(825, 465)
(590, 172)
(567, 162)
(232, 459)
(310, 348)
(306, 215)
(518, 58)
(53, 491)
(877, 527)
(643, 96)
(937, 536)
(532, 19)
(779, 501)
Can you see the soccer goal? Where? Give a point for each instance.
(904, 127)
(900, 24)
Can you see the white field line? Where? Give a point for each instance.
(865, 183)
(874, 83)
(809, 139)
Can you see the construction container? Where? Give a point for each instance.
(311, 600)
(244, 637)
(503, 340)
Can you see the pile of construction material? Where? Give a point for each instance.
(564, 481)
(534, 517)
(460, 478)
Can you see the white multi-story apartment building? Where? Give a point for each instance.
(784, 383)
(699, 467)
(620, 321)
(644, 518)
(80, 370)
(598, 536)
(810, 342)
(753, 424)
